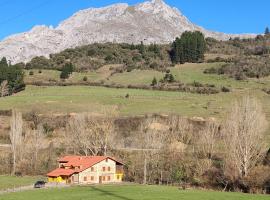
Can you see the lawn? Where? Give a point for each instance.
(134, 192)
(8, 182)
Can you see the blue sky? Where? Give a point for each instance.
(230, 16)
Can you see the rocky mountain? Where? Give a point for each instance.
(151, 22)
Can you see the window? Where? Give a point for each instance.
(85, 178)
(104, 169)
(92, 178)
(103, 178)
(108, 178)
(92, 169)
(118, 177)
(107, 159)
(109, 169)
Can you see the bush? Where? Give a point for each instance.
(225, 89)
(40, 71)
(85, 78)
(31, 73)
(154, 82)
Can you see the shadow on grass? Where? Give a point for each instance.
(111, 194)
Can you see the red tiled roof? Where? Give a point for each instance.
(80, 162)
(61, 172)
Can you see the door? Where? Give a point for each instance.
(100, 180)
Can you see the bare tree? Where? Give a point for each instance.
(151, 140)
(92, 134)
(4, 88)
(244, 135)
(181, 129)
(16, 125)
(207, 140)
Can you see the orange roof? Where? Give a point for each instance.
(80, 162)
(61, 172)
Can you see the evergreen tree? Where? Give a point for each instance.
(141, 48)
(154, 82)
(67, 70)
(267, 31)
(13, 74)
(189, 48)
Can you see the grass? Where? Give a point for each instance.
(53, 75)
(134, 192)
(83, 99)
(8, 182)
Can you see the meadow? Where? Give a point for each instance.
(128, 192)
(63, 100)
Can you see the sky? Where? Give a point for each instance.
(229, 16)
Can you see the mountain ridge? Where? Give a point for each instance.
(151, 22)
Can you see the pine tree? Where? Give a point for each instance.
(154, 82)
(141, 48)
(189, 48)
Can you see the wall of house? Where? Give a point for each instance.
(104, 171)
(58, 179)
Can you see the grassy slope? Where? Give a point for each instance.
(12, 181)
(83, 98)
(53, 75)
(127, 193)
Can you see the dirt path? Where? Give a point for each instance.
(31, 187)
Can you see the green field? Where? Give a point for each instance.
(186, 73)
(62, 100)
(127, 193)
(69, 99)
(9, 182)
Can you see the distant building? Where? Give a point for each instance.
(87, 170)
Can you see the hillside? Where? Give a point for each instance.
(151, 22)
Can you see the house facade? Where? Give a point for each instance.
(87, 170)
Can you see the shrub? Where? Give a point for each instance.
(154, 82)
(85, 78)
(31, 73)
(225, 89)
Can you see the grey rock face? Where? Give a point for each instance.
(150, 22)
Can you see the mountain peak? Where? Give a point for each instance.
(158, 1)
(152, 21)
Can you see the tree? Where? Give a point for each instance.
(67, 70)
(4, 88)
(207, 140)
(13, 74)
(189, 48)
(154, 82)
(244, 136)
(141, 48)
(15, 135)
(267, 31)
(151, 140)
(92, 135)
